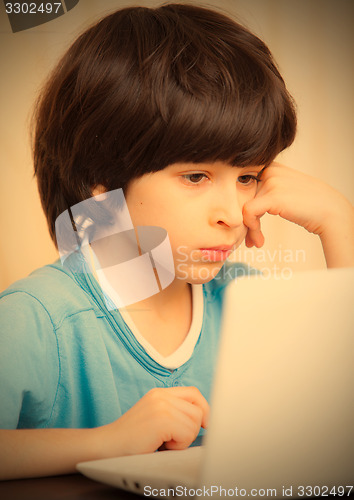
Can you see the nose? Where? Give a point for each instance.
(227, 208)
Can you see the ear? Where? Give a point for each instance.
(99, 189)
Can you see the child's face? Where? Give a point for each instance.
(200, 206)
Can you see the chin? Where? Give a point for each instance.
(200, 274)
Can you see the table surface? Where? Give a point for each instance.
(71, 487)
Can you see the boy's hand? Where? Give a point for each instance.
(170, 416)
(306, 201)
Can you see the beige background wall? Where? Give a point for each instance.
(312, 41)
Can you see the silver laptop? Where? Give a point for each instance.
(282, 408)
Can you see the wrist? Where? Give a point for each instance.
(338, 220)
(337, 238)
(100, 442)
(107, 441)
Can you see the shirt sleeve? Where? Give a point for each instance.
(29, 362)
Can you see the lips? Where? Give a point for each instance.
(223, 248)
(216, 254)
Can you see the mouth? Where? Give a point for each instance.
(216, 254)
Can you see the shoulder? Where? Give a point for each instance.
(29, 355)
(50, 291)
(229, 272)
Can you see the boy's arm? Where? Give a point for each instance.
(28, 453)
(308, 202)
(171, 416)
(338, 241)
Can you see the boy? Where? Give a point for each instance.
(185, 111)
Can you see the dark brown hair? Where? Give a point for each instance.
(145, 88)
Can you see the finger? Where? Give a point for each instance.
(251, 214)
(184, 432)
(254, 209)
(179, 430)
(254, 238)
(194, 396)
(248, 240)
(194, 412)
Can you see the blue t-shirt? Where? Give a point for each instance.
(66, 361)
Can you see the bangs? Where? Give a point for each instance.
(245, 122)
(207, 92)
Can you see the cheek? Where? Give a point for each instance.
(142, 208)
(151, 214)
(246, 195)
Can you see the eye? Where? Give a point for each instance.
(194, 178)
(248, 179)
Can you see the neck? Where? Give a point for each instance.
(164, 319)
(162, 303)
